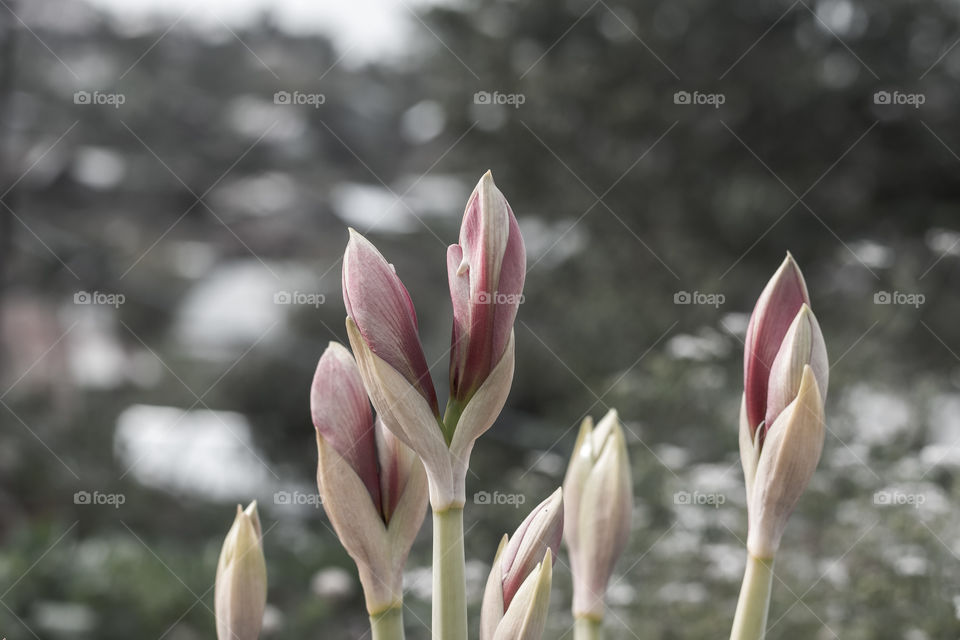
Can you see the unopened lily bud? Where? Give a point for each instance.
(782, 415)
(486, 271)
(516, 598)
(382, 311)
(382, 328)
(598, 501)
(241, 586)
(376, 517)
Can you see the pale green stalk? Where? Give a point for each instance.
(387, 625)
(750, 621)
(449, 584)
(587, 628)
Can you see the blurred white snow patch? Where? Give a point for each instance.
(621, 593)
(708, 345)
(423, 121)
(546, 462)
(333, 583)
(944, 425)
(443, 196)
(262, 195)
(872, 254)
(372, 208)
(551, 243)
(99, 168)
(878, 415)
(258, 118)
(230, 309)
(945, 242)
(96, 358)
(199, 452)
(62, 618)
(736, 323)
(419, 582)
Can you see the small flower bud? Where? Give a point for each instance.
(598, 500)
(517, 594)
(241, 585)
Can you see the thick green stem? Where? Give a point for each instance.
(449, 584)
(387, 625)
(750, 621)
(587, 628)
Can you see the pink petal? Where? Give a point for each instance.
(775, 310)
(541, 530)
(341, 414)
(381, 308)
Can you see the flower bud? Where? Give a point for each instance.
(241, 586)
(486, 271)
(383, 313)
(376, 525)
(598, 501)
(782, 413)
(516, 598)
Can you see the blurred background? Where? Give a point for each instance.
(176, 181)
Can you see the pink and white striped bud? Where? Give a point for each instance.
(598, 500)
(241, 586)
(486, 271)
(782, 413)
(380, 307)
(516, 598)
(375, 516)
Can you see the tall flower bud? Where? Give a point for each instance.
(374, 488)
(782, 413)
(598, 500)
(241, 586)
(516, 598)
(486, 271)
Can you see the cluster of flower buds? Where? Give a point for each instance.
(598, 500)
(782, 412)
(373, 487)
(517, 596)
(241, 587)
(486, 271)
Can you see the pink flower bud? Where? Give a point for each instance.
(486, 271)
(782, 412)
(374, 487)
(517, 594)
(541, 530)
(341, 413)
(381, 308)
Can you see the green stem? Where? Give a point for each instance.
(449, 584)
(387, 625)
(587, 628)
(750, 621)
